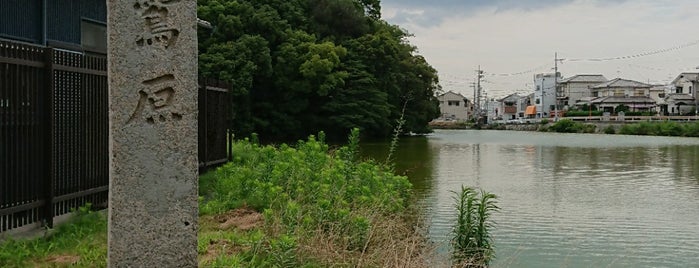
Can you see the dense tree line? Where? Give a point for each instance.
(301, 66)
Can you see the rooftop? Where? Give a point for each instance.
(634, 99)
(622, 83)
(688, 76)
(679, 96)
(585, 78)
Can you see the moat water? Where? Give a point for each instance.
(567, 200)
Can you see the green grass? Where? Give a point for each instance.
(311, 207)
(82, 242)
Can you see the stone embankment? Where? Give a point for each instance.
(522, 127)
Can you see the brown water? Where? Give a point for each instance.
(568, 200)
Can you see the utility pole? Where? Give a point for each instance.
(473, 102)
(555, 86)
(555, 83)
(479, 75)
(543, 96)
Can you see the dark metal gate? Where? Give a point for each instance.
(53, 133)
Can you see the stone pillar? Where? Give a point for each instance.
(152, 54)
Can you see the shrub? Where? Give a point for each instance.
(662, 129)
(544, 121)
(609, 130)
(576, 113)
(668, 129)
(640, 113)
(621, 108)
(569, 126)
(692, 130)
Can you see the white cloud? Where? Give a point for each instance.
(515, 40)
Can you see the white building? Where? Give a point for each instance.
(683, 98)
(493, 110)
(545, 94)
(454, 106)
(686, 83)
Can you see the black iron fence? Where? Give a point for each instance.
(54, 132)
(214, 122)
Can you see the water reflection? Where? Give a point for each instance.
(567, 200)
(413, 158)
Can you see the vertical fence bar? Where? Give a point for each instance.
(229, 121)
(14, 110)
(3, 141)
(204, 116)
(49, 132)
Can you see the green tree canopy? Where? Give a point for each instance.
(302, 66)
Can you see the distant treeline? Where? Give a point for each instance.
(301, 66)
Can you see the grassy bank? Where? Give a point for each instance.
(301, 206)
(568, 126)
(319, 207)
(667, 128)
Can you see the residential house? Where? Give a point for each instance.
(454, 106)
(658, 93)
(545, 93)
(572, 90)
(679, 104)
(683, 98)
(509, 106)
(633, 94)
(525, 109)
(686, 83)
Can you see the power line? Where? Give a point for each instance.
(644, 54)
(538, 68)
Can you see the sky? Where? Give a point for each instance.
(650, 41)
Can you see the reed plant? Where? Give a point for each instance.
(472, 243)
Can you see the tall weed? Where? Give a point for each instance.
(472, 244)
(305, 190)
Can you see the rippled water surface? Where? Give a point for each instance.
(568, 200)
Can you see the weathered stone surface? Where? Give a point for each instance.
(152, 55)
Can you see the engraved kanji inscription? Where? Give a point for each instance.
(155, 101)
(157, 28)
